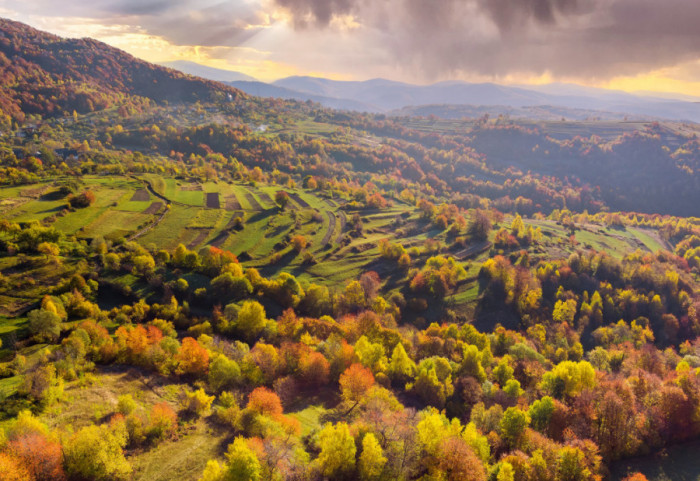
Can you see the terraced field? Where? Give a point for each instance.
(245, 220)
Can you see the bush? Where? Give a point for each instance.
(82, 200)
(126, 404)
(95, 452)
(197, 402)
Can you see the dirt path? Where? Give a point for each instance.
(149, 227)
(331, 227)
(472, 250)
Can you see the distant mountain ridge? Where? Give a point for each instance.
(385, 96)
(211, 73)
(262, 89)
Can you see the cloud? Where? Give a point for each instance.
(590, 39)
(181, 22)
(317, 12)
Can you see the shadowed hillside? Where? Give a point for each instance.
(46, 74)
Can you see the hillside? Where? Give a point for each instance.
(200, 284)
(44, 74)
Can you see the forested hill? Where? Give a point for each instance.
(41, 73)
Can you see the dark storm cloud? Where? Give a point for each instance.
(317, 12)
(510, 13)
(578, 38)
(505, 13)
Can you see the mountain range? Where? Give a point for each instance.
(458, 98)
(380, 95)
(45, 74)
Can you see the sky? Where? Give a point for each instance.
(632, 45)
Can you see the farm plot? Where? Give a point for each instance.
(26, 210)
(201, 236)
(154, 208)
(206, 219)
(189, 194)
(266, 199)
(172, 230)
(213, 200)
(80, 219)
(141, 195)
(252, 201)
(133, 206)
(300, 202)
(232, 202)
(114, 223)
(223, 236)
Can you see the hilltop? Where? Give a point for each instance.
(41, 73)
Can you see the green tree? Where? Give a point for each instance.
(230, 286)
(503, 372)
(45, 325)
(540, 413)
(471, 363)
(571, 465)
(513, 389)
(513, 424)
(505, 472)
(243, 464)
(569, 378)
(251, 319)
(223, 373)
(143, 264)
(126, 404)
(337, 456)
(372, 459)
(401, 367)
(434, 381)
(95, 453)
(371, 355)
